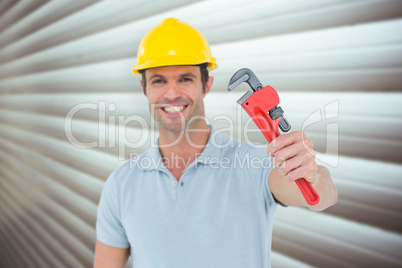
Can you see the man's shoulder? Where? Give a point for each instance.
(135, 166)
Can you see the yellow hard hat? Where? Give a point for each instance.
(173, 42)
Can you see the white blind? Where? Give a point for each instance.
(66, 83)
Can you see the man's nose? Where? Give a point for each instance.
(172, 90)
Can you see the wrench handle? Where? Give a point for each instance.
(266, 126)
(308, 191)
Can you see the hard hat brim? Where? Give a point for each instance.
(138, 68)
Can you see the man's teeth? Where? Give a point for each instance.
(173, 109)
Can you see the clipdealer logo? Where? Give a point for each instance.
(113, 131)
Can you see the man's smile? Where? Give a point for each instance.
(174, 108)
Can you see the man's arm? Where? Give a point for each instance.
(110, 257)
(294, 158)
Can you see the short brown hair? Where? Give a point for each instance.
(204, 77)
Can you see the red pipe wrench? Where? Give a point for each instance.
(261, 104)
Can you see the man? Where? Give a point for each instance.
(196, 205)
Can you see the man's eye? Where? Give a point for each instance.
(186, 79)
(157, 81)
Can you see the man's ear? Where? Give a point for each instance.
(208, 86)
(143, 89)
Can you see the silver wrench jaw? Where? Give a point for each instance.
(236, 83)
(244, 75)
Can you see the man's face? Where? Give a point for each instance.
(175, 96)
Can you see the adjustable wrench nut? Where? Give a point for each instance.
(275, 112)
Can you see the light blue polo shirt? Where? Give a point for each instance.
(220, 213)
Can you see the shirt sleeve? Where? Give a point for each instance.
(269, 198)
(109, 228)
(260, 172)
(266, 170)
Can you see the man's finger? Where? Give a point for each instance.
(284, 141)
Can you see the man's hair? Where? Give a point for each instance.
(204, 76)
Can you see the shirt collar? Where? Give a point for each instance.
(210, 154)
(151, 159)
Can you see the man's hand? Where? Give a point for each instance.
(294, 158)
(293, 154)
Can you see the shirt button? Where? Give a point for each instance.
(174, 183)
